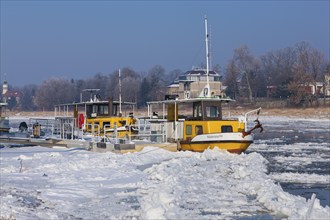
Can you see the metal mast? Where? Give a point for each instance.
(207, 92)
(120, 93)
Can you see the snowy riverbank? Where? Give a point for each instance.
(58, 183)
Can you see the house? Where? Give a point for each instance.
(315, 89)
(191, 84)
(12, 97)
(327, 85)
(271, 91)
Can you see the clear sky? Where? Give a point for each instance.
(76, 39)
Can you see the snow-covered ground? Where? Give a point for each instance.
(59, 183)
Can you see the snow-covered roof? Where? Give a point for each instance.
(200, 72)
(174, 85)
(178, 101)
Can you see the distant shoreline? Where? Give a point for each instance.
(316, 112)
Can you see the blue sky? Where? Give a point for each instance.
(76, 39)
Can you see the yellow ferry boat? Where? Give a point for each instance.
(102, 118)
(205, 127)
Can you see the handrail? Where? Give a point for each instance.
(249, 112)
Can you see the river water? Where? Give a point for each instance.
(298, 151)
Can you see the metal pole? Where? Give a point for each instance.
(207, 94)
(175, 130)
(120, 93)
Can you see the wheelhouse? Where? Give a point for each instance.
(100, 116)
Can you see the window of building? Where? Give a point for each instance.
(182, 78)
(217, 78)
(194, 78)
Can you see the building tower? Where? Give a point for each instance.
(4, 89)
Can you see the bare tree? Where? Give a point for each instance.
(130, 82)
(277, 69)
(232, 80)
(101, 82)
(28, 96)
(52, 92)
(156, 78)
(243, 68)
(173, 75)
(308, 68)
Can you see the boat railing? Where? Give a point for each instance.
(159, 132)
(110, 133)
(41, 126)
(245, 119)
(152, 132)
(95, 132)
(65, 128)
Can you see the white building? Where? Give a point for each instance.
(191, 83)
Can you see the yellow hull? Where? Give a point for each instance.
(233, 147)
(201, 135)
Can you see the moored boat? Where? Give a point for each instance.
(204, 126)
(102, 118)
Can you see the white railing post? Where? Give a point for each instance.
(246, 116)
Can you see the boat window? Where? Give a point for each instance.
(212, 112)
(100, 110)
(199, 129)
(226, 128)
(114, 110)
(188, 130)
(94, 109)
(106, 125)
(198, 110)
(106, 110)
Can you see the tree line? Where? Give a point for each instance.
(136, 87)
(245, 76)
(288, 71)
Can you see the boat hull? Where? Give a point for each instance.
(232, 142)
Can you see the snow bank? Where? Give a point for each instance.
(218, 184)
(42, 183)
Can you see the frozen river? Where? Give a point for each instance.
(298, 151)
(275, 179)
